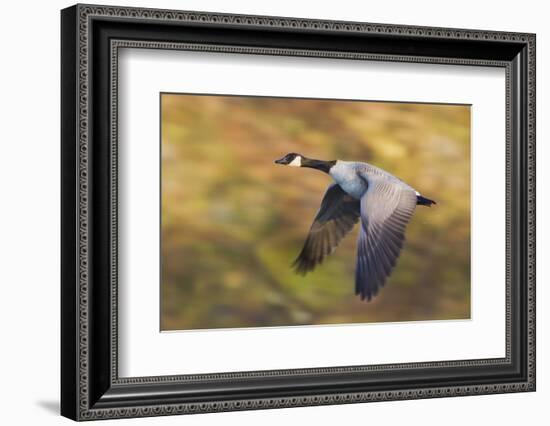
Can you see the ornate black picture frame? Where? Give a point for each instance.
(91, 36)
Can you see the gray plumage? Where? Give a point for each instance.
(385, 205)
(338, 213)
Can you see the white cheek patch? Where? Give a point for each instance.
(297, 162)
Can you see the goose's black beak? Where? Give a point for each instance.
(282, 161)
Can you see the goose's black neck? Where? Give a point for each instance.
(321, 165)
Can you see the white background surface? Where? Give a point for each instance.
(146, 352)
(29, 225)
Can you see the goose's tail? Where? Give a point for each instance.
(423, 201)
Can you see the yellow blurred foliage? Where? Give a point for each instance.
(233, 222)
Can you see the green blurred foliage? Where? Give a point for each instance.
(233, 222)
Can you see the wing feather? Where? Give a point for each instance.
(386, 208)
(337, 215)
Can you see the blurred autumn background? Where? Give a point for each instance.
(233, 222)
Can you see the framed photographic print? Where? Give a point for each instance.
(263, 212)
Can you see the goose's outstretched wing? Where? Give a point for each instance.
(386, 208)
(336, 217)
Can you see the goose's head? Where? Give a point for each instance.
(298, 160)
(292, 159)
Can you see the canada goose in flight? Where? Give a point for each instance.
(384, 203)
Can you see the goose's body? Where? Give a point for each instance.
(383, 203)
(353, 177)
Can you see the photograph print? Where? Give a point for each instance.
(299, 212)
